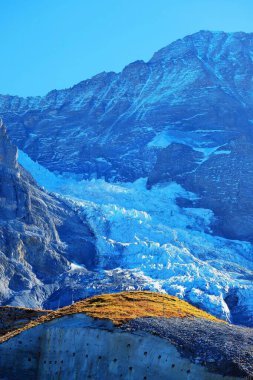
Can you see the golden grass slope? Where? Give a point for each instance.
(122, 307)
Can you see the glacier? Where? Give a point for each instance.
(146, 233)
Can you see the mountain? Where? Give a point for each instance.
(196, 92)
(153, 173)
(130, 335)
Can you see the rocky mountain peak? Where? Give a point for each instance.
(208, 46)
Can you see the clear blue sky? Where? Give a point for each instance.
(48, 44)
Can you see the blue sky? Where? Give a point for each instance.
(48, 44)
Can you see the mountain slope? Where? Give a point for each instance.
(197, 92)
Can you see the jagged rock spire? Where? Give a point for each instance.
(8, 152)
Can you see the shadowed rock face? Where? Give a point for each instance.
(173, 163)
(196, 92)
(39, 234)
(223, 182)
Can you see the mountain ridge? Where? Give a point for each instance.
(196, 91)
(158, 52)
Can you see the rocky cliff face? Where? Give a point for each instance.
(196, 92)
(39, 234)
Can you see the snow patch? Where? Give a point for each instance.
(161, 140)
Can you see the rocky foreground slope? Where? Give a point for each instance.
(185, 115)
(130, 335)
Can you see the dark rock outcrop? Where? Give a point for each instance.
(173, 163)
(12, 318)
(223, 182)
